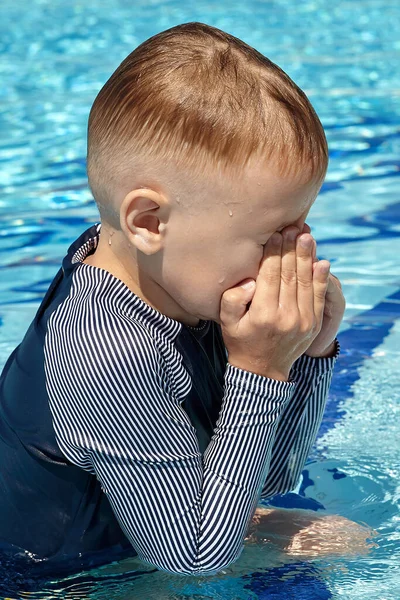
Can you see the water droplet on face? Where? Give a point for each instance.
(230, 213)
(221, 280)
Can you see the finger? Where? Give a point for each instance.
(234, 302)
(268, 280)
(305, 292)
(288, 291)
(306, 228)
(320, 286)
(314, 253)
(331, 285)
(338, 283)
(333, 281)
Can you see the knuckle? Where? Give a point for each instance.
(305, 282)
(290, 322)
(229, 296)
(272, 277)
(288, 276)
(320, 292)
(303, 254)
(309, 324)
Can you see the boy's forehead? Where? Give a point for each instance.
(260, 177)
(269, 202)
(263, 191)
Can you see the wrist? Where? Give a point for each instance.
(261, 369)
(268, 373)
(329, 352)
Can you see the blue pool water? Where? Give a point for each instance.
(345, 55)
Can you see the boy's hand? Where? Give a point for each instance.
(286, 310)
(335, 304)
(300, 532)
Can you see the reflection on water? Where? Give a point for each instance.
(54, 59)
(294, 549)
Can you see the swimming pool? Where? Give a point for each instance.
(54, 59)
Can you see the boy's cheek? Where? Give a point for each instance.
(239, 275)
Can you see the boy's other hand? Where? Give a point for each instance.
(302, 532)
(286, 310)
(335, 304)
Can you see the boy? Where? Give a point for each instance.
(178, 367)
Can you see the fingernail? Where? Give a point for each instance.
(248, 285)
(292, 235)
(306, 242)
(325, 268)
(276, 239)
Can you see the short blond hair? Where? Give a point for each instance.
(200, 97)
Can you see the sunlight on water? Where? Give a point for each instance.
(365, 445)
(54, 58)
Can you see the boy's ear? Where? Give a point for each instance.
(143, 217)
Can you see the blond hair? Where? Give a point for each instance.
(201, 98)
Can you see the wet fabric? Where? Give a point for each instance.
(118, 425)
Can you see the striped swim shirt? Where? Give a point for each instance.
(124, 432)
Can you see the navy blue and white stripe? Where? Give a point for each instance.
(116, 383)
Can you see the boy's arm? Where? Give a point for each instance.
(117, 413)
(299, 422)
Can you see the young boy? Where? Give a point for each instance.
(178, 367)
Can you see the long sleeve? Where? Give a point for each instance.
(115, 401)
(299, 422)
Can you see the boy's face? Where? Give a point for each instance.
(217, 239)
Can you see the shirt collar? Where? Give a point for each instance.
(139, 309)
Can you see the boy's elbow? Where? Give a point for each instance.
(194, 568)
